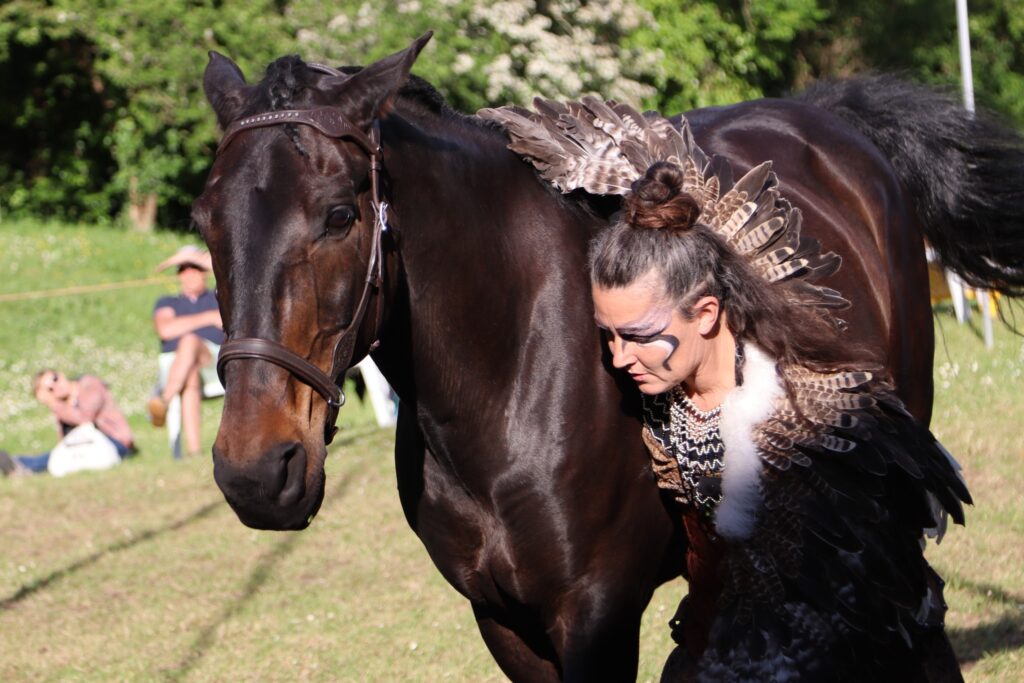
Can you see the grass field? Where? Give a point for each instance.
(142, 573)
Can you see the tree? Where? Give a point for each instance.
(107, 116)
(154, 51)
(54, 114)
(919, 38)
(486, 53)
(104, 118)
(714, 53)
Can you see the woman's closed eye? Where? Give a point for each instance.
(639, 338)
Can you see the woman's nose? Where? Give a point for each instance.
(620, 357)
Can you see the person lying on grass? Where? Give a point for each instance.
(73, 403)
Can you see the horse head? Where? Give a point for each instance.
(291, 213)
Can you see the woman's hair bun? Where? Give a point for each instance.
(657, 200)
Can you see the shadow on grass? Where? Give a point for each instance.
(31, 588)
(1005, 633)
(975, 643)
(259, 576)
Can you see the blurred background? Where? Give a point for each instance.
(142, 573)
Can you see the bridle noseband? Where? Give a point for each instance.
(332, 123)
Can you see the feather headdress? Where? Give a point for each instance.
(602, 147)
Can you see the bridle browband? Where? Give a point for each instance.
(327, 120)
(332, 123)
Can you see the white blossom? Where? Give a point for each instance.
(463, 64)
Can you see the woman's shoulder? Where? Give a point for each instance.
(91, 383)
(822, 424)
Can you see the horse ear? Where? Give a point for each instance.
(367, 93)
(224, 85)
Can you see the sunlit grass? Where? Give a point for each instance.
(142, 573)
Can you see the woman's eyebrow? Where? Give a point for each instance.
(653, 322)
(640, 328)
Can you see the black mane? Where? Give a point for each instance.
(287, 79)
(281, 87)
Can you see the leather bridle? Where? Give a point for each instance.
(332, 123)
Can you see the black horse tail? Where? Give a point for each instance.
(965, 173)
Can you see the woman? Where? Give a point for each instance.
(74, 402)
(747, 408)
(804, 487)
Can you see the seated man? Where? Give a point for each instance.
(190, 326)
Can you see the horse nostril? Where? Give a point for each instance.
(293, 464)
(277, 477)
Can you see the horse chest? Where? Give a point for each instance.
(480, 539)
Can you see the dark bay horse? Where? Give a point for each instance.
(518, 452)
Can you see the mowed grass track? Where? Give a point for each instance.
(142, 573)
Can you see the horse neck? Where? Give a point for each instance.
(486, 250)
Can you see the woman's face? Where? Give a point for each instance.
(648, 337)
(54, 383)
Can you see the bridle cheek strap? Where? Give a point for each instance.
(332, 123)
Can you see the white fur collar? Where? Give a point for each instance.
(744, 408)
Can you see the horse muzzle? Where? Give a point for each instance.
(276, 490)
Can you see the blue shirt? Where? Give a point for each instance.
(182, 305)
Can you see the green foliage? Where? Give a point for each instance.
(913, 36)
(490, 53)
(103, 100)
(715, 53)
(108, 99)
(154, 51)
(54, 159)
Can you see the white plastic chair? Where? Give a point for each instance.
(385, 408)
(211, 388)
(958, 293)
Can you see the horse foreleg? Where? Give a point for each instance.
(597, 641)
(523, 652)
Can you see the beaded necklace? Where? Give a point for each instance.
(696, 443)
(692, 436)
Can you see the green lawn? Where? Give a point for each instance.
(142, 573)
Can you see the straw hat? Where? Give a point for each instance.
(190, 255)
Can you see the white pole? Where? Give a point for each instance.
(967, 76)
(965, 54)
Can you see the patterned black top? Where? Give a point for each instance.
(692, 437)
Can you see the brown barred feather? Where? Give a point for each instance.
(845, 379)
(785, 270)
(755, 238)
(666, 469)
(633, 121)
(729, 223)
(693, 180)
(711, 191)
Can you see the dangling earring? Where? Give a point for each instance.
(740, 360)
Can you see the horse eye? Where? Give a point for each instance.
(340, 219)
